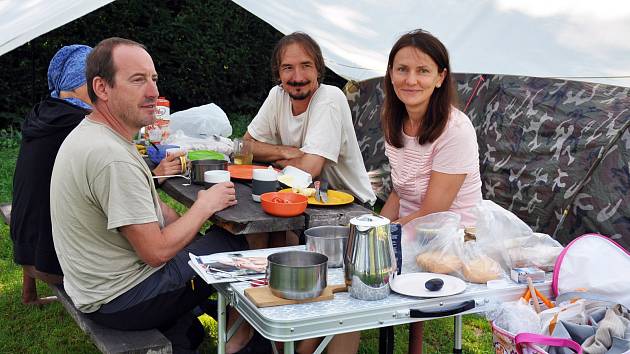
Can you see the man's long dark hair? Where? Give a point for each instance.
(442, 98)
(310, 47)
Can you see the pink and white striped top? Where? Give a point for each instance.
(454, 152)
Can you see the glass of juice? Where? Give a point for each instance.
(243, 154)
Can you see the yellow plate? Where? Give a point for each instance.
(334, 198)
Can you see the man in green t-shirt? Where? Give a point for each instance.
(123, 252)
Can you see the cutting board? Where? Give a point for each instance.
(261, 296)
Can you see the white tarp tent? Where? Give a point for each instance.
(23, 20)
(575, 39)
(578, 39)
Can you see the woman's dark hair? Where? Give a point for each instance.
(393, 112)
(100, 62)
(308, 44)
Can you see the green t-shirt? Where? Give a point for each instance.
(100, 183)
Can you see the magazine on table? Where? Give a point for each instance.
(232, 266)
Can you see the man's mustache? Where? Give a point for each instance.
(298, 83)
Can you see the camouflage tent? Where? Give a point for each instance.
(537, 140)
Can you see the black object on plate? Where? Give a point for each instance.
(434, 284)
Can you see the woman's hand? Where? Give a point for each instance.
(391, 207)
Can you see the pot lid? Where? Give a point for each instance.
(369, 220)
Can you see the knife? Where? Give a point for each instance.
(317, 196)
(323, 190)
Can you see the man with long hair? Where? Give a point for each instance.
(307, 124)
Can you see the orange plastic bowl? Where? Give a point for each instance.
(283, 204)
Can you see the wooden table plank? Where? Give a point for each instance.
(333, 215)
(244, 218)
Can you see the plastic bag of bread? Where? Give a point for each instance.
(507, 239)
(439, 244)
(446, 261)
(478, 267)
(418, 236)
(538, 250)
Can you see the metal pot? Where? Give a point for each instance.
(370, 262)
(297, 275)
(199, 167)
(330, 241)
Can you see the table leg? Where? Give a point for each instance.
(289, 347)
(222, 323)
(457, 348)
(386, 340)
(323, 344)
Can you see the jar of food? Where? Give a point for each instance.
(158, 132)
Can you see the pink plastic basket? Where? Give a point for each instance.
(504, 342)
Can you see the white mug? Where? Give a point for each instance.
(173, 151)
(212, 177)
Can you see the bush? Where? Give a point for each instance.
(203, 51)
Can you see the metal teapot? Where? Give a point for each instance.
(369, 261)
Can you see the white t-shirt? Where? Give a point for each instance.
(100, 183)
(324, 129)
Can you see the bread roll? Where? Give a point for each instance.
(481, 269)
(438, 262)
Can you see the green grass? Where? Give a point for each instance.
(50, 329)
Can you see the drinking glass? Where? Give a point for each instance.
(243, 154)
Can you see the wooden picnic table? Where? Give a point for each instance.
(247, 216)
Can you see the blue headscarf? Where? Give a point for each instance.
(66, 72)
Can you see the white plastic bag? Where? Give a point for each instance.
(477, 266)
(514, 317)
(435, 235)
(574, 312)
(215, 142)
(507, 239)
(201, 122)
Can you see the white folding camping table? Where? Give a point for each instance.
(290, 323)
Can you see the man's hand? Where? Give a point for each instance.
(271, 152)
(219, 197)
(310, 163)
(291, 152)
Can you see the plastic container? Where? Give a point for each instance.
(283, 204)
(159, 131)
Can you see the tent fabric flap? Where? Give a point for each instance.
(23, 20)
(537, 140)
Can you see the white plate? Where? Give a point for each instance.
(412, 284)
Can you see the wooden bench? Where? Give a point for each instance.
(109, 340)
(5, 210)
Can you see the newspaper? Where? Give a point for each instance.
(233, 266)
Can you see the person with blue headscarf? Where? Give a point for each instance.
(43, 131)
(66, 75)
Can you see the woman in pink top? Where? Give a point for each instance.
(431, 145)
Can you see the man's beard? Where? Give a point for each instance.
(302, 95)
